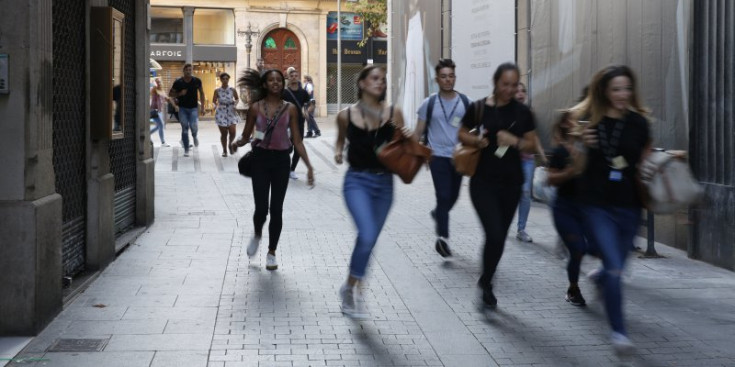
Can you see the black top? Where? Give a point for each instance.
(190, 99)
(506, 170)
(302, 98)
(362, 144)
(560, 160)
(598, 188)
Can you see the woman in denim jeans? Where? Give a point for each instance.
(617, 137)
(368, 185)
(528, 164)
(566, 209)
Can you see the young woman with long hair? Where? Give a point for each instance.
(269, 120)
(507, 129)
(368, 185)
(617, 138)
(566, 209)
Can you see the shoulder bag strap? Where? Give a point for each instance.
(294, 97)
(272, 125)
(429, 113)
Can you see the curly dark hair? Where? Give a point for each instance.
(253, 80)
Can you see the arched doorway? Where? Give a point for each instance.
(281, 50)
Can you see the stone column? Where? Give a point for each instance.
(100, 250)
(189, 33)
(145, 175)
(30, 209)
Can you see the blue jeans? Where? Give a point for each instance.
(612, 230)
(368, 197)
(569, 223)
(189, 118)
(524, 207)
(159, 126)
(313, 127)
(446, 186)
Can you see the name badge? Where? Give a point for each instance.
(500, 152)
(619, 162)
(455, 121)
(259, 135)
(616, 175)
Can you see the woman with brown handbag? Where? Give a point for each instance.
(368, 185)
(508, 128)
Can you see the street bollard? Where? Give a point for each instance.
(650, 246)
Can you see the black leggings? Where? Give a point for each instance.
(296, 155)
(495, 205)
(270, 176)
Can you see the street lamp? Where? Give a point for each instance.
(249, 33)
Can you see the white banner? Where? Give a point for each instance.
(483, 37)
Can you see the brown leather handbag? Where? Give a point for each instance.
(403, 156)
(466, 157)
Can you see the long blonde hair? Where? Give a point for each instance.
(595, 104)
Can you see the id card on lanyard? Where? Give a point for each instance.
(610, 146)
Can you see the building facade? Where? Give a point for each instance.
(79, 174)
(681, 51)
(232, 35)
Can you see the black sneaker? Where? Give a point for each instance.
(309, 135)
(574, 296)
(488, 298)
(442, 247)
(318, 133)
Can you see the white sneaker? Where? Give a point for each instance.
(253, 246)
(352, 306)
(196, 141)
(186, 154)
(622, 345)
(165, 145)
(523, 236)
(293, 176)
(270, 262)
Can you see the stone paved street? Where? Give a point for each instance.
(186, 294)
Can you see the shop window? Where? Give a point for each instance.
(167, 25)
(270, 43)
(290, 44)
(214, 27)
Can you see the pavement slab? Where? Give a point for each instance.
(186, 294)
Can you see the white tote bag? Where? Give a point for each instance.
(541, 190)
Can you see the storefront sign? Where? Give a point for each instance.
(161, 52)
(215, 53)
(354, 54)
(168, 52)
(350, 24)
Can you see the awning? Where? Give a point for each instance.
(155, 65)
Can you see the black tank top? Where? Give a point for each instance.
(362, 143)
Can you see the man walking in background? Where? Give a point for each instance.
(184, 91)
(299, 97)
(439, 118)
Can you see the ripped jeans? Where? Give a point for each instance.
(612, 230)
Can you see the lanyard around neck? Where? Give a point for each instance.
(451, 113)
(609, 145)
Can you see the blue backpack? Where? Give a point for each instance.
(430, 111)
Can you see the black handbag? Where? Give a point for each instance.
(154, 114)
(245, 164)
